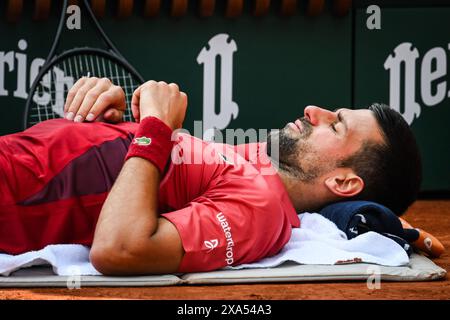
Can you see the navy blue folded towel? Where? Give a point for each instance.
(357, 217)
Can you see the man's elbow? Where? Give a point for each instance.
(106, 261)
(124, 261)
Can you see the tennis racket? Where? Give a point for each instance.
(61, 70)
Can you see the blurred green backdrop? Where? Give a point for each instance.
(281, 64)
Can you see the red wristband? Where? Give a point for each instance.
(152, 142)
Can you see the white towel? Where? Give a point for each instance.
(317, 241)
(65, 259)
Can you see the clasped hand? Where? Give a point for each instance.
(98, 99)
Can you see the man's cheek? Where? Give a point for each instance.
(322, 139)
(327, 146)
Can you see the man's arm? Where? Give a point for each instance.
(130, 238)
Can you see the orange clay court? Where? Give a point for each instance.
(431, 215)
(277, 58)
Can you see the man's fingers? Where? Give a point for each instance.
(73, 91)
(162, 100)
(87, 104)
(113, 115)
(184, 102)
(135, 104)
(79, 97)
(86, 110)
(174, 87)
(184, 99)
(104, 101)
(86, 96)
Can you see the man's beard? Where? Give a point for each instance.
(296, 156)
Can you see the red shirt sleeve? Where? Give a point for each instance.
(238, 221)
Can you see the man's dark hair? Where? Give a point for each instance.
(392, 171)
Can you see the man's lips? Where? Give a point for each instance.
(297, 125)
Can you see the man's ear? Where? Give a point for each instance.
(345, 184)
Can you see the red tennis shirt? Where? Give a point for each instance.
(227, 202)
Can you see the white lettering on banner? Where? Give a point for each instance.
(429, 75)
(17, 61)
(229, 255)
(373, 22)
(21, 91)
(6, 60)
(218, 46)
(44, 98)
(57, 86)
(55, 80)
(402, 73)
(403, 53)
(60, 81)
(74, 20)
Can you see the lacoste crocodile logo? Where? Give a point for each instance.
(142, 141)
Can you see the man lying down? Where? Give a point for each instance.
(132, 192)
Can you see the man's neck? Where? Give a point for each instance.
(305, 197)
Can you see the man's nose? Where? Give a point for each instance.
(317, 115)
